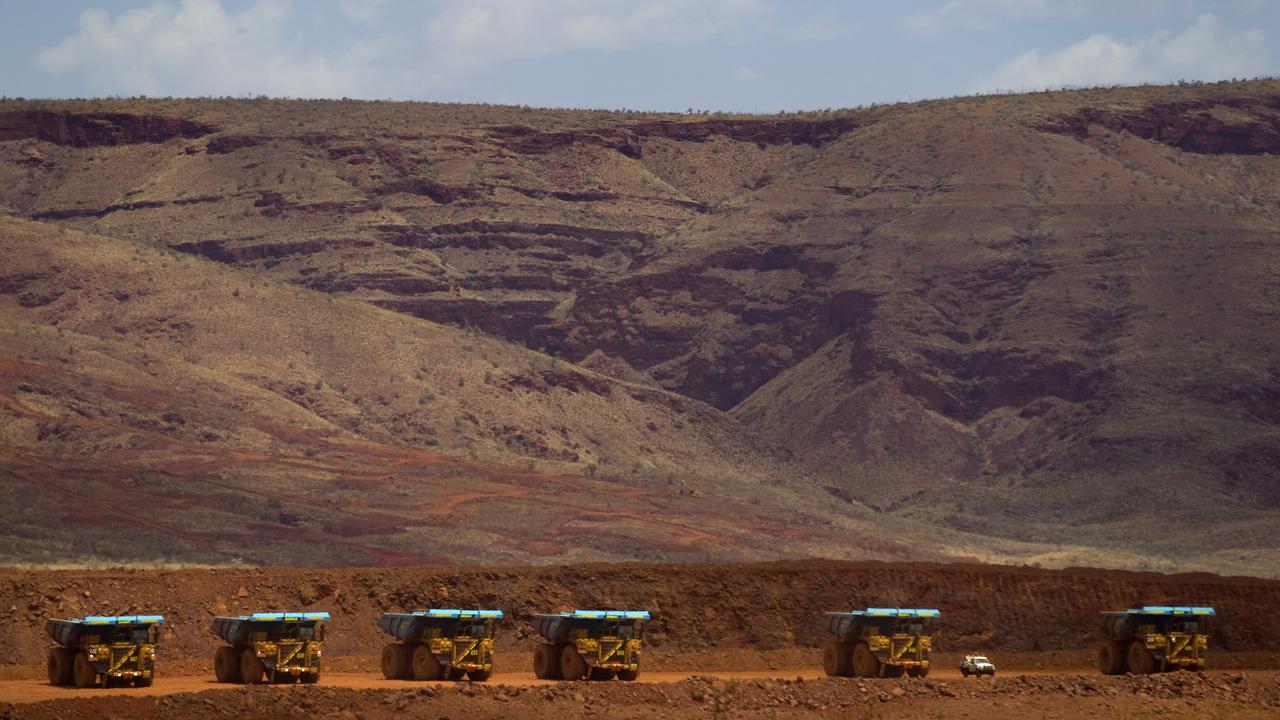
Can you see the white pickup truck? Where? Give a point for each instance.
(976, 665)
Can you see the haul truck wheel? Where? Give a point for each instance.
(395, 662)
(455, 674)
(628, 675)
(86, 675)
(893, 671)
(425, 664)
(309, 678)
(918, 672)
(598, 673)
(226, 665)
(146, 681)
(1110, 658)
(1140, 660)
(865, 663)
(61, 666)
(836, 660)
(546, 662)
(252, 670)
(572, 666)
(479, 675)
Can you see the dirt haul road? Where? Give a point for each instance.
(27, 691)
(1176, 695)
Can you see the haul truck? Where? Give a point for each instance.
(1154, 638)
(119, 650)
(879, 642)
(439, 644)
(280, 647)
(591, 644)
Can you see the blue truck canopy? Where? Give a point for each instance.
(1166, 610)
(407, 626)
(555, 628)
(236, 629)
(846, 625)
(68, 632)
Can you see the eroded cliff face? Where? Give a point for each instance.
(971, 313)
(1239, 126)
(91, 129)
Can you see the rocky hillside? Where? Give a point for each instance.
(1042, 327)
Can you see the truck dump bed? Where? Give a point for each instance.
(1170, 610)
(68, 632)
(235, 630)
(846, 625)
(407, 626)
(555, 628)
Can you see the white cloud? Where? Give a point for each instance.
(818, 28)
(989, 14)
(198, 48)
(471, 34)
(365, 12)
(746, 73)
(1204, 51)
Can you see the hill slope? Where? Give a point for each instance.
(1049, 318)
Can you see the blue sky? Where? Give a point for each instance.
(744, 55)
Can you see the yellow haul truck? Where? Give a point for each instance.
(590, 644)
(278, 647)
(1154, 638)
(118, 650)
(879, 642)
(439, 644)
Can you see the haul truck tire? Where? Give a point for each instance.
(1110, 658)
(628, 675)
(599, 673)
(425, 664)
(836, 659)
(86, 675)
(146, 681)
(892, 671)
(395, 662)
(309, 678)
(226, 665)
(61, 666)
(920, 672)
(1140, 660)
(455, 674)
(546, 662)
(252, 670)
(572, 666)
(865, 662)
(479, 675)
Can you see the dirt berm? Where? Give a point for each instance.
(695, 607)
